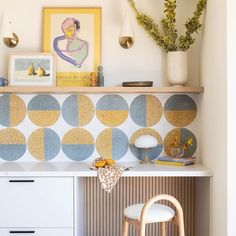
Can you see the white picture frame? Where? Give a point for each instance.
(34, 69)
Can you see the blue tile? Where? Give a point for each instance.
(152, 153)
(12, 152)
(52, 144)
(112, 102)
(138, 110)
(43, 102)
(180, 102)
(70, 110)
(186, 134)
(120, 144)
(78, 152)
(5, 110)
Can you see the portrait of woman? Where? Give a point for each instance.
(69, 46)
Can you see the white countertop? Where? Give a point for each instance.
(81, 169)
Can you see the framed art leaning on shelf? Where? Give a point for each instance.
(35, 69)
(74, 35)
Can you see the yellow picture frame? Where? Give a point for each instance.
(74, 36)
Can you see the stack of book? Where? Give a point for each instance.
(183, 161)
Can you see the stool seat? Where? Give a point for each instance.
(156, 213)
(138, 215)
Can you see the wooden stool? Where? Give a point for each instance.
(139, 215)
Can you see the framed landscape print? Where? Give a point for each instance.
(32, 69)
(74, 35)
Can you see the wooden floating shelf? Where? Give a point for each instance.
(65, 90)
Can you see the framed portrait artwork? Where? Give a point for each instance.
(36, 69)
(74, 35)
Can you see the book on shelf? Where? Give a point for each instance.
(173, 163)
(184, 161)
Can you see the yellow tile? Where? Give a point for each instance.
(43, 118)
(180, 118)
(36, 144)
(11, 136)
(78, 136)
(169, 140)
(17, 110)
(86, 110)
(154, 110)
(112, 118)
(104, 143)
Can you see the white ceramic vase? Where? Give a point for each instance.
(177, 68)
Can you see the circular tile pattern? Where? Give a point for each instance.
(12, 144)
(44, 144)
(152, 152)
(12, 110)
(146, 110)
(43, 110)
(112, 110)
(78, 144)
(77, 110)
(182, 135)
(180, 110)
(112, 143)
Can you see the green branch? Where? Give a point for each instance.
(168, 40)
(168, 24)
(192, 25)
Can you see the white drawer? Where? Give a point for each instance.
(36, 232)
(36, 202)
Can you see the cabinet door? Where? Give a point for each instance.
(36, 232)
(36, 202)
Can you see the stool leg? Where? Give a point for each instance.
(163, 228)
(142, 229)
(125, 228)
(181, 227)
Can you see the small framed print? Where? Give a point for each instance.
(74, 36)
(37, 69)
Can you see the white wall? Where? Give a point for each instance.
(231, 33)
(213, 112)
(145, 61)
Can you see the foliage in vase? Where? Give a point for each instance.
(168, 39)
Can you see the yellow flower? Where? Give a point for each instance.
(190, 141)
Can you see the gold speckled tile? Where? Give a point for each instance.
(104, 143)
(44, 118)
(36, 144)
(112, 118)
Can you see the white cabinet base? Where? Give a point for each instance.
(37, 202)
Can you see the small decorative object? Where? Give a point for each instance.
(31, 69)
(126, 39)
(177, 149)
(100, 77)
(10, 39)
(74, 34)
(3, 82)
(177, 152)
(93, 80)
(177, 66)
(145, 142)
(137, 84)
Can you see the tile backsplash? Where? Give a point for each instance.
(82, 127)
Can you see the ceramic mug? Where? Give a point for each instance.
(3, 82)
